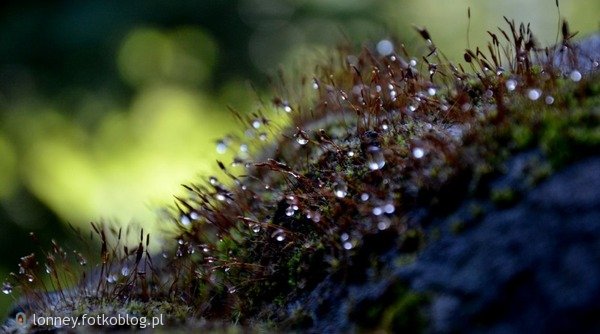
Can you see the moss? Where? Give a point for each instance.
(397, 140)
(504, 197)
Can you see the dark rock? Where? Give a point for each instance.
(532, 268)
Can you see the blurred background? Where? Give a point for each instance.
(107, 106)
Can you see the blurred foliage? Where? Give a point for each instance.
(106, 107)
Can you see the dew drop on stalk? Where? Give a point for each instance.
(48, 269)
(315, 84)
(511, 84)
(385, 47)
(125, 270)
(112, 278)
(286, 107)
(431, 91)
(534, 94)
(279, 235)
(413, 62)
(383, 223)
(185, 220)
(255, 228)
(290, 211)
(418, 152)
(262, 136)
(364, 197)
(549, 99)
(7, 288)
(377, 211)
(221, 147)
(375, 158)
(220, 197)
(340, 189)
(344, 236)
(301, 137)
(575, 75)
(389, 208)
(256, 123)
(351, 153)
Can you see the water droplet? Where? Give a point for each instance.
(185, 220)
(286, 107)
(389, 208)
(499, 71)
(351, 153)
(511, 84)
(385, 47)
(290, 211)
(418, 152)
(348, 245)
(344, 236)
(47, 268)
(412, 107)
(549, 99)
(377, 211)
(221, 147)
(315, 84)
(255, 227)
(575, 75)
(279, 235)
(112, 278)
(595, 63)
(232, 290)
(262, 136)
(301, 137)
(194, 215)
(364, 197)
(413, 62)
(244, 148)
(340, 189)
(220, 197)
(534, 94)
(256, 123)
(7, 288)
(375, 158)
(383, 223)
(431, 91)
(125, 271)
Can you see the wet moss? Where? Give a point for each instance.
(382, 138)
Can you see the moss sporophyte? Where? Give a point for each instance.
(373, 137)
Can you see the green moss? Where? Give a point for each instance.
(503, 197)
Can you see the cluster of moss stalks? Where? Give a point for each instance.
(373, 137)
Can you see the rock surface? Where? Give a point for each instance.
(531, 268)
